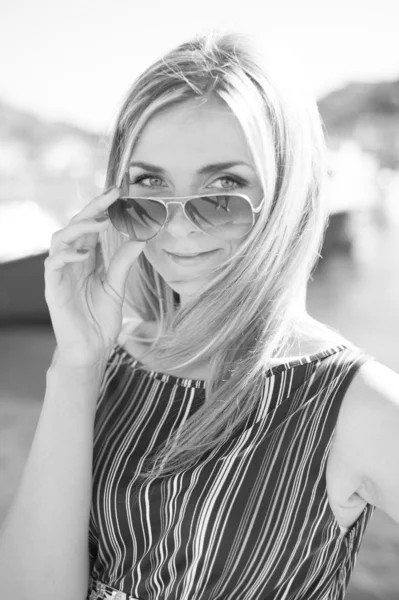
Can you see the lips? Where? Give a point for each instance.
(187, 254)
(196, 260)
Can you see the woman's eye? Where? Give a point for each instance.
(232, 180)
(141, 178)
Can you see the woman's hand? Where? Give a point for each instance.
(86, 310)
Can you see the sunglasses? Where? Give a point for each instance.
(225, 216)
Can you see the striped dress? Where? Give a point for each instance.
(251, 521)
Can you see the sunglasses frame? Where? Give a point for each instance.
(182, 200)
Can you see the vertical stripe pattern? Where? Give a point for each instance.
(251, 520)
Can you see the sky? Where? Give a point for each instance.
(75, 60)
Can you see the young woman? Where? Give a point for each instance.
(201, 436)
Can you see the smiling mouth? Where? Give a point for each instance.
(191, 258)
(190, 255)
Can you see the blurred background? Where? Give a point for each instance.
(65, 69)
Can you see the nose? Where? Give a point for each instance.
(177, 224)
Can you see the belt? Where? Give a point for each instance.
(101, 591)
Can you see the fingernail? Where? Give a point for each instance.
(101, 218)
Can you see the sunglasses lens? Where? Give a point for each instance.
(139, 218)
(227, 217)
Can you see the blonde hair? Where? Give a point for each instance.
(245, 316)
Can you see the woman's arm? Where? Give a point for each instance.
(44, 539)
(368, 435)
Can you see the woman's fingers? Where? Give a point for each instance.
(62, 257)
(97, 205)
(120, 265)
(74, 231)
(55, 264)
(83, 226)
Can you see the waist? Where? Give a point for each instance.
(101, 591)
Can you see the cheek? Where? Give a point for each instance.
(154, 253)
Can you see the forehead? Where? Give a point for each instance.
(194, 127)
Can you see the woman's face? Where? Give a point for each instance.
(180, 141)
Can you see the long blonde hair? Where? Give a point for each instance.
(245, 316)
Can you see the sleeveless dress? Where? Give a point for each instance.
(251, 521)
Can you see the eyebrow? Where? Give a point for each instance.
(212, 168)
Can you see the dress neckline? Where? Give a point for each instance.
(201, 383)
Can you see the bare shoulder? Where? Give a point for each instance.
(373, 395)
(367, 435)
(315, 337)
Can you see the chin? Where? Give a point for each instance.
(184, 284)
